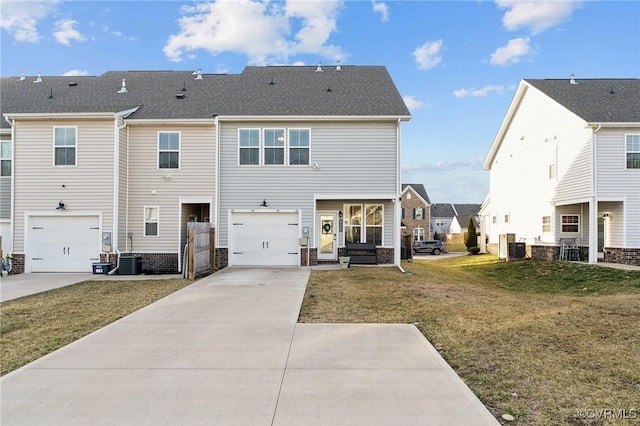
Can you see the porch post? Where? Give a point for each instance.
(593, 230)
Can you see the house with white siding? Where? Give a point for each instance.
(288, 164)
(565, 170)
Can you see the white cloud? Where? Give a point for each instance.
(20, 18)
(513, 52)
(65, 33)
(260, 30)
(382, 9)
(467, 163)
(535, 15)
(75, 73)
(412, 103)
(428, 55)
(117, 33)
(478, 93)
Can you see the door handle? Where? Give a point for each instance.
(263, 245)
(68, 250)
(64, 250)
(267, 245)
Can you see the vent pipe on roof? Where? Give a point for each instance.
(573, 79)
(184, 86)
(198, 74)
(123, 89)
(338, 67)
(50, 93)
(319, 67)
(22, 77)
(38, 79)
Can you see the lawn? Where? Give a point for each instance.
(548, 342)
(33, 326)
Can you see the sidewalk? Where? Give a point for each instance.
(227, 350)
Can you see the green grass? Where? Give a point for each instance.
(33, 326)
(524, 336)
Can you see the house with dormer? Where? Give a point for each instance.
(287, 164)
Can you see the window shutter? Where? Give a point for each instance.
(414, 213)
(403, 212)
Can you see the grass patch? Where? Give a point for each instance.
(451, 247)
(525, 336)
(36, 325)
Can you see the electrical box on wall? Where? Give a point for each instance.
(305, 231)
(106, 241)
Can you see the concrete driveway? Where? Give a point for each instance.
(227, 350)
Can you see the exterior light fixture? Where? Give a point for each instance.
(264, 203)
(61, 206)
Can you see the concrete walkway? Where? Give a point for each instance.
(227, 351)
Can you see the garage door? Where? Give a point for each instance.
(63, 243)
(264, 239)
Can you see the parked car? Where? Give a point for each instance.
(430, 246)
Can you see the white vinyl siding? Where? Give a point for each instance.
(65, 146)
(150, 186)
(39, 185)
(352, 157)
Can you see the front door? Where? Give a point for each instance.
(327, 236)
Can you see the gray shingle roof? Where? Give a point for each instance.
(596, 100)
(278, 91)
(441, 210)
(419, 188)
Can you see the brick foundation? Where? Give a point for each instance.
(625, 256)
(17, 264)
(313, 256)
(384, 256)
(222, 258)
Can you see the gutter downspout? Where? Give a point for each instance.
(12, 123)
(216, 201)
(116, 191)
(397, 246)
(593, 203)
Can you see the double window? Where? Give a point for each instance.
(364, 223)
(570, 223)
(273, 147)
(418, 234)
(65, 143)
(168, 150)
(633, 151)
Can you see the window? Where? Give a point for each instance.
(403, 213)
(418, 213)
(570, 223)
(5, 158)
(546, 223)
(298, 146)
(494, 220)
(552, 171)
(151, 221)
(168, 150)
(64, 146)
(506, 218)
(249, 146)
(369, 230)
(633, 151)
(418, 234)
(273, 146)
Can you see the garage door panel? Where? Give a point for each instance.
(264, 239)
(63, 243)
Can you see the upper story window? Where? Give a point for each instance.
(249, 146)
(168, 150)
(633, 151)
(273, 146)
(65, 145)
(418, 213)
(5, 158)
(269, 147)
(570, 223)
(299, 146)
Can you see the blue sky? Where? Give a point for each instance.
(456, 63)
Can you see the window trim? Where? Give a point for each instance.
(75, 146)
(240, 148)
(546, 222)
(627, 152)
(179, 150)
(563, 224)
(288, 146)
(9, 158)
(264, 147)
(144, 221)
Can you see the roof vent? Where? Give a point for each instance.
(38, 79)
(123, 89)
(22, 77)
(73, 84)
(50, 93)
(180, 95)
(184, 86)
(271, 83)
(329, 89)
(611, 91)
(198, 74)
(319, 67)
(338, 67)
(573, 79)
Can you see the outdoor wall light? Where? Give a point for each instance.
(264, 203)
(61, 206)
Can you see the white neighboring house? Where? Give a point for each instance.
(565, 169)
(451, 219)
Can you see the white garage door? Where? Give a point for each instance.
(264, 239)
(63, 243)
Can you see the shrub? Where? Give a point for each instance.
(472, 238)
(474, 250)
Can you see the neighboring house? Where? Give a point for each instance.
(565, 168)
(452, 219)
(119, 163)
(415, 211)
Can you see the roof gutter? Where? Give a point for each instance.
(172, 121)
(599, 125)
(58, 115)
(313, 117)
